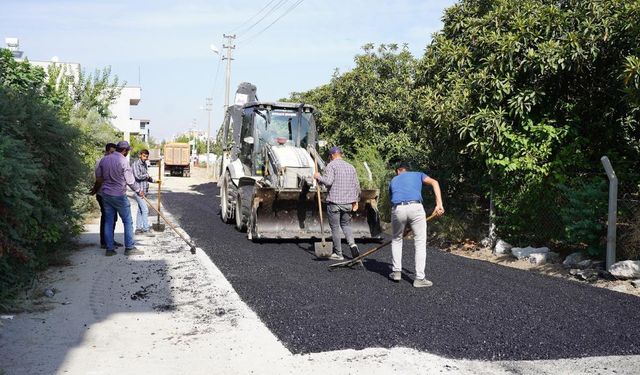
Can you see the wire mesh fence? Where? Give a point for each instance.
(628, 223)
(565, 212)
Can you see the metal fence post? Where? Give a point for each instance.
(492, 219)
(613, 208)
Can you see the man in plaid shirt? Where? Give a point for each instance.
(344, 193)
(142, 177)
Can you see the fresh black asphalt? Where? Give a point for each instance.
(475, 310)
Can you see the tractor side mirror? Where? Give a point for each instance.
(248, 140)
(322, 143)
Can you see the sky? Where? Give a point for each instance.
(281, 46)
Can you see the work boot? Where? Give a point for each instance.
(117, 244)
(148, 233)
(396, 276)
(110, 253)
(335, 256)
(133, 251)
(354, 251)
(138, 231)
(421, 283)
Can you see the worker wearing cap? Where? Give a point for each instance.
(341, 179)
(110, 148)
(113, 175)
(406, 202)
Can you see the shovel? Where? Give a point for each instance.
(158, 226)
(352, 262)
(323, 249)
(191, 245)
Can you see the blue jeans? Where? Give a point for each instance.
(118, 204)
(142, 219)
(103, 242)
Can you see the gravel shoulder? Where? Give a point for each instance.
(169, 312)
(477, 252)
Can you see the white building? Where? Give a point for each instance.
(121, 115)
(145, 133)
(120, 109)
(192, 134)
(68, 69)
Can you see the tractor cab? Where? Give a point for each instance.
(273, 125)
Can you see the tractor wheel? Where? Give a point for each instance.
(226, 208)
(243, 207)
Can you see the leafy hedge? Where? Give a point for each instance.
(48, 146)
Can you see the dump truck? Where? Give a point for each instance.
(176, 159)
(266, 173)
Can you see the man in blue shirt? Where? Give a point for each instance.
(406, 202)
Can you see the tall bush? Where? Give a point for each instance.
(530, 91)
(585, 214)
(49, 144)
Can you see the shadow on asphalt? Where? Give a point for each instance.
(475, 310)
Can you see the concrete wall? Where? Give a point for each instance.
(67, 68)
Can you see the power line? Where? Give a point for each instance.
(279, 4)
(215, 81)
(292, 7)
(252, 17)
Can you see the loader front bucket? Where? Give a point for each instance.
(293, 213)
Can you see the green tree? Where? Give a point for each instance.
(38, 174)
(511, 98)
(370, 105)
(49, 143)
(531, 91)
(200, 145)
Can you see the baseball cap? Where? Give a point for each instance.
(334, 149)
(123, 145)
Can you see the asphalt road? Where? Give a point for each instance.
(475, 310)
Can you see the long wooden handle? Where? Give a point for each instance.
(169, 223)
(374, 249)
(319, 204)
(159, 187)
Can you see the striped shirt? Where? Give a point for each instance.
(341, 179)
(141, 174)
(116, 173)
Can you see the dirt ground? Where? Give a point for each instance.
(475, 251)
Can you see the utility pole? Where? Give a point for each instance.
(192, 137)
(207, 107)
(229, 46)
